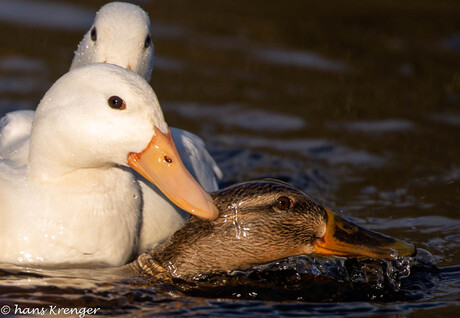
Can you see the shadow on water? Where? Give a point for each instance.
(358, 105)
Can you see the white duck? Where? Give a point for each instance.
(120, 35)
(76, 200)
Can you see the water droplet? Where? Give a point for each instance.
(240, 230)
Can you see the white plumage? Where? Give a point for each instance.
(119, 35)
(70, 200)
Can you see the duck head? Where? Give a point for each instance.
(120, 35)
(263, 221)
(101, 116)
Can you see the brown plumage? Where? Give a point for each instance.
(259, 222)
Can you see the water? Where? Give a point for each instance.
(287, 287)
(356, 104)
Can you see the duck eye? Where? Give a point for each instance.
(116, 102)
(93, 34)
(283, 203)
(147, 42)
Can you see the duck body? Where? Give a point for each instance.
(261, 222)
(75, 219)
(68, 194)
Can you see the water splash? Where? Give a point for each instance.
(318, 279)
(171, 268)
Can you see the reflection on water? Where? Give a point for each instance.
(235, 116)
(302, 59)
(382, 126)
(45, 14)
(318, 149)
(21, 64)
(358, 106)
(451, 119)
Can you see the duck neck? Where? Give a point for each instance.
(192, 250)
(46, 170)
(51, 159)
(180, 255)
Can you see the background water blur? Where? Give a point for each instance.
(355, 102)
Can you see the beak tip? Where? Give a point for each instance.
(210, 214)
(174, 181)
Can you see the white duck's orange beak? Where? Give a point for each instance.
(160, 164)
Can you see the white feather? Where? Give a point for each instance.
(121, 31)
(70, 200)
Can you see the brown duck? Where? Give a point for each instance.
(260, 222)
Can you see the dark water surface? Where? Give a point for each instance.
(355, 102)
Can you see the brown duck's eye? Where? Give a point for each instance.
(147, 42)
(93, 34)
(116, 102)
(283, 203)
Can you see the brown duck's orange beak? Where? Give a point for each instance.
(344, 238)
(160, 164)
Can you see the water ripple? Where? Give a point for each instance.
(45, 14)
(301, 59)
(238, 116)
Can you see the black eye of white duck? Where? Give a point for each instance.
(147, 42)
(93, 34)
(283, 203)
(116, 102)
